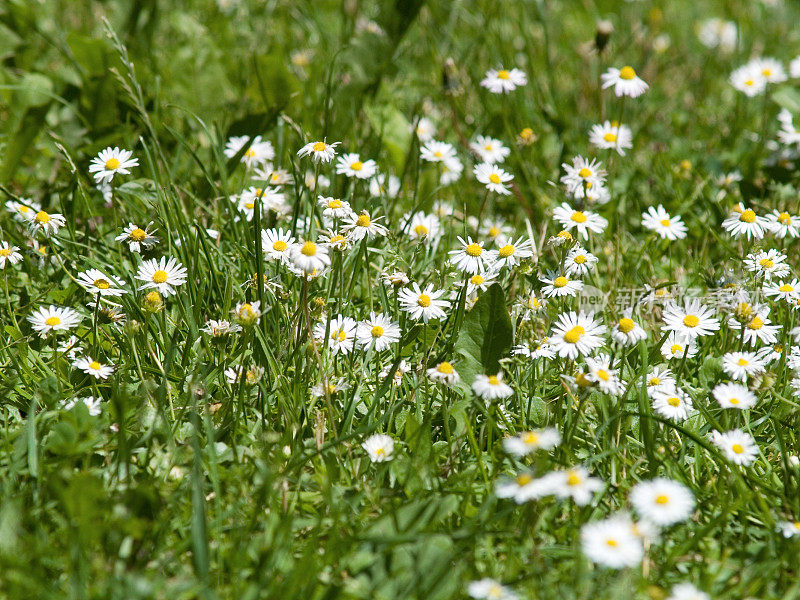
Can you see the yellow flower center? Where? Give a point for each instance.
(424, 300)
(748, 216)
(357, 166)
(52, 321)
(503, 74)
(531, 438)
(42, 217)
(573, 478)
(784, 219)
(691, 321)
(249, 205)
(494, 231)
(335, 203)
(574, 334)
(494, 178)
(584, 173)
(488, 147)
(654, 381)
(112, 163)
(626, 325)
(280, 246)
(734, 401)
(421, 230)
(566, 234)
(578, 217)
(319, 146)
(756, 323)
(377, 331)
(662, 499)
(766, 263)
(101, 284)
(250, 153)
(611, 542)
(309, 249)
(675, 348)
(664, 222)
(523, 479)
(5, 251)
(786, 288)
(604, 375)
(23, 209)
(506, 251)
(610, 137)
(674, 401)
(338, 335)
(336, 238)
(560, 282)
(159, 276)
(380, 452)
(476, 279)
(445, 368)
(737, 448)
(153, 297)
(474, 250)
(742, 362)
(766, 72)
(137, 235)
(579, 259)
(94, 365)
(493, 380)
(627, 73)
(363, 220)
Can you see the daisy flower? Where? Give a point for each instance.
(789, 528)
(612, 543)
(611, 136)
(748, 80)
(351, 165)
(503, 81)
(782, 224)
(54, 318)
(423, 304)
(491, 387)
(452, 168)
(270, 175)
(662, 501)
(734, 395)
(94, 368)
(673, 404)
(658, 220)
(741, 365)
(528, 442)
(424, 129)
(23, 211)
(758, 329)
(738, 446)
(334, 208)
(480, 281)
(397, 376)
(718, 33)
(556, 287)
(576, 334)
(47, 223)
(251, 376)
(573, 483)
(247, 313)
(690, 320)
(601, 373)
(423, 227)
(381, 185)
(788, 291)
(582, 175)
(767, 264)
(521, 488)
(493, 177)
(542, 349)
(97, 282)
(434, 151)
(363, 226)
(470, 257)
(341, 334)
(489, 150)
(579, 262)
(445, 373)
(659, 380)
(220, 329)
(163, 275)
(510, 254)
(320, 152)
(309, 257)
(686, 591)
(137, 238)
(583, 221)
(625, 82)
(9, 255)
(323, 389)
(626, 331)
(489, 589)
(496, 231)
(111, 161)
(378, 332)
(677, 346)
(277, 244)
(379, 447)
(771, 70)
(92, 404)
(745, 222)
